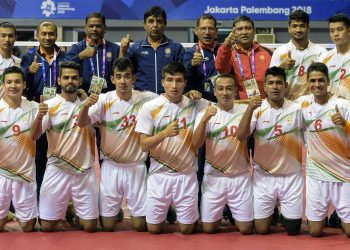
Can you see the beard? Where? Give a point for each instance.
(69, 89)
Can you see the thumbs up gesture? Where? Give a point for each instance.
(172, 129)
(197, 58)
(337, 118)
(43, 108)
(34, 67)
(289, 62)
(124, 44)
(255, 102)
(210, 112)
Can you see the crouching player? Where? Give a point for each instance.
(328, 153)
(17, 150)
(123, 171)
(277, 126)
(70, 173)
(226, 179)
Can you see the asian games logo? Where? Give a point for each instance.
(48, 7)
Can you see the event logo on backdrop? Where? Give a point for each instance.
(319, 10)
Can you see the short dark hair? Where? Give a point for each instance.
(122, 64)
(276, 71)
(242, 19)
(8, 25)
(96, 15)
(319, 67)
(205, 16)
(225, 75)
(173, 68)
(340, 17)
(154, 11)
(299, 15)
(69, 65)
(46, 24)
(13, 70)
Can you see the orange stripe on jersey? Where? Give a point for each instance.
(305, 104)
(284, 56)
(326, 60)
(347, 127)
(2, 110)
(54, 109)
(334, 144)
(26, 143)
(259, 114)
(290, 142)
(156, 111)
(108, 105)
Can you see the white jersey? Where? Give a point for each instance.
(117, 119)
(296, 77)
(225, 155)
(173, 154)
(70, 147)
(328, 156)
(339, 72)
(17, 149)
(278, 137)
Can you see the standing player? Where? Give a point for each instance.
(227, 178)
(166, 125)
(328, 157)
(297, 55)
(338, 59)
(69, 173)
(276, 124)
(123, 158)
(17, 150)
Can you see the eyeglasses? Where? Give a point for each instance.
(204, 29)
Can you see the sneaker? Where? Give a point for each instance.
(11, 216)
(334, 221)
(228, 215)
(171, 215)
(120, 215)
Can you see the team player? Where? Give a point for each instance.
(69, 173)
(276, 124)
(296, 55)
(338, 59)
(166, 125)
(17, 150)
(328, 156)
(227, 178)
(123, 170)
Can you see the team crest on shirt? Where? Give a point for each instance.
(289, 120)
(329, 114)
(262, 58)
(167, 52)
(26, 118)
(109, 56)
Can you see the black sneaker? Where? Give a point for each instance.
(120, 215)
(334, 221)
(171, 215)
(228, 215)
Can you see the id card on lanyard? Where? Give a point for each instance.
(50, 90)
(96, 80)
(250, 85)
(208, 81)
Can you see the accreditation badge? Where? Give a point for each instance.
(251, 86)
(49, 93)
(97, 84)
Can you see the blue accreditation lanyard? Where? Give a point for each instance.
(241, 65)
(97, 73)
(43, 67)
(205, 70)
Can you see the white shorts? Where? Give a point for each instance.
(118, 180)
(287, 189)
(319, 194)
(236, 192)
(23, 196)
(165, 188)
(59, 187)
